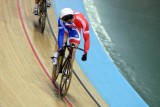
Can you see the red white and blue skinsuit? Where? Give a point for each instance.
(73, 30)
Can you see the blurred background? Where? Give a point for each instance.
(134, 29)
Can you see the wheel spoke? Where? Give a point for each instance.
(56, 68)
(65, 79)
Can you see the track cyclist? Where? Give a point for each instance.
(35, 10)
(70, 25)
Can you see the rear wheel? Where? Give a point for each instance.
(65, 79)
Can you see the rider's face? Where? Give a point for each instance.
(70, 21)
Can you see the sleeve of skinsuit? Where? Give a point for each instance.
(86, 36)
(60, 33)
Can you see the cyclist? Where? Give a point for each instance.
(35, 10)
(70, 25)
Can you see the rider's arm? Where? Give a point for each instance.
(60, 34)
(86, 37)
(82, 22)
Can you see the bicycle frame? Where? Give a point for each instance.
(64, 66)
(70, 49)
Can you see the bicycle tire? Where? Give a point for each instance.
(65, 78)
(56, 68)
(43, 15)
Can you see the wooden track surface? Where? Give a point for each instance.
(23, 80)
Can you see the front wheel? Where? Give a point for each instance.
(65, 79)
(56, 69)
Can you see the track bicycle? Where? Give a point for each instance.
(64, 66)
(42, 14)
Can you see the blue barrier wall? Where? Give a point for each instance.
(100, 70)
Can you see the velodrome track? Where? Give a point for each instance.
(25, 65)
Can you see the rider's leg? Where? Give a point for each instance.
(54, 60)
(74, 38)
(35, 10)
(74, 51)
(36, 2)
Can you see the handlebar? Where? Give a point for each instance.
(73, 46)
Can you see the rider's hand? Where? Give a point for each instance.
(84, 57)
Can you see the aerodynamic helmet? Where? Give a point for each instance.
(66, 14)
